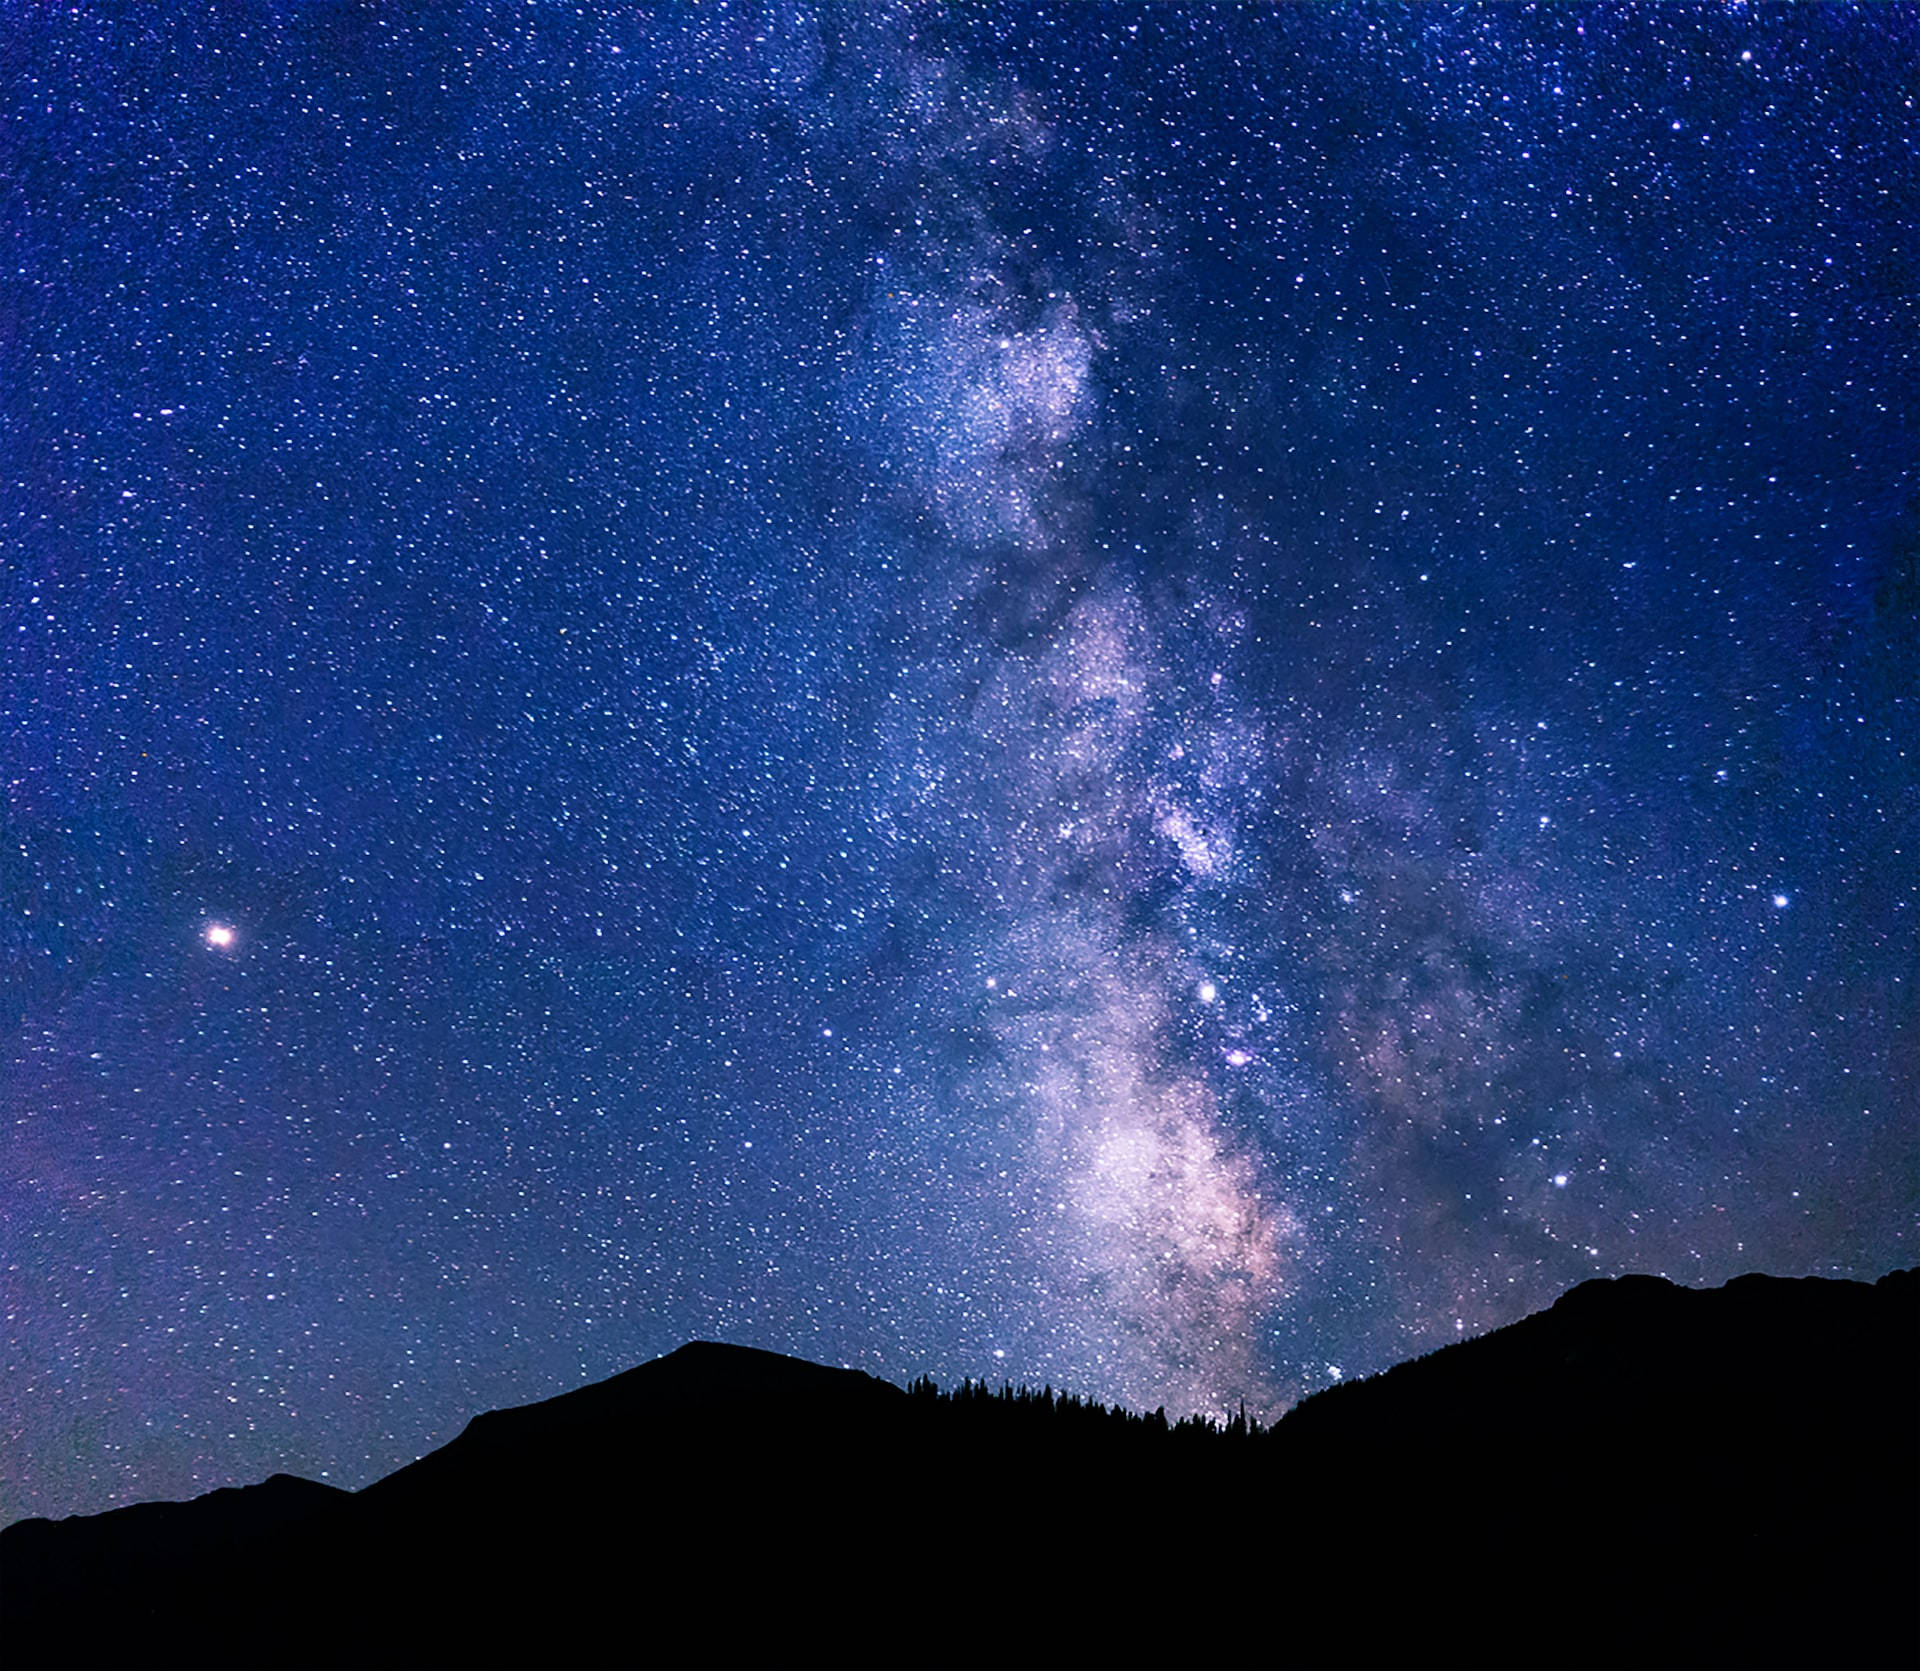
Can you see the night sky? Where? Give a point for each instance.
(1171, 700)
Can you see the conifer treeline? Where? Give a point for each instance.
(1069, 1411)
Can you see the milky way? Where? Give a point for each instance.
(1176, 701)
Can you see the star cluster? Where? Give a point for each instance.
(1146, 697)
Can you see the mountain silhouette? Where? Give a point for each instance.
(1641, 1474)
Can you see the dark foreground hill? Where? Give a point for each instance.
(1643, 1474)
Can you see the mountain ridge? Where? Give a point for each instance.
(1735, 1467)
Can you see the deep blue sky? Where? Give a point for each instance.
(1165, 699)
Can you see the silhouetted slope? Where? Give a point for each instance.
(1642, 1473)
(725, 1392)
(1730, 1475)
(111, 1589)
(208, 1528)
(1617, 1350)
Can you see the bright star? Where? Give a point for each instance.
(1781, 902)
(219, 935)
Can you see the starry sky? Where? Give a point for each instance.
(1175, 700)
